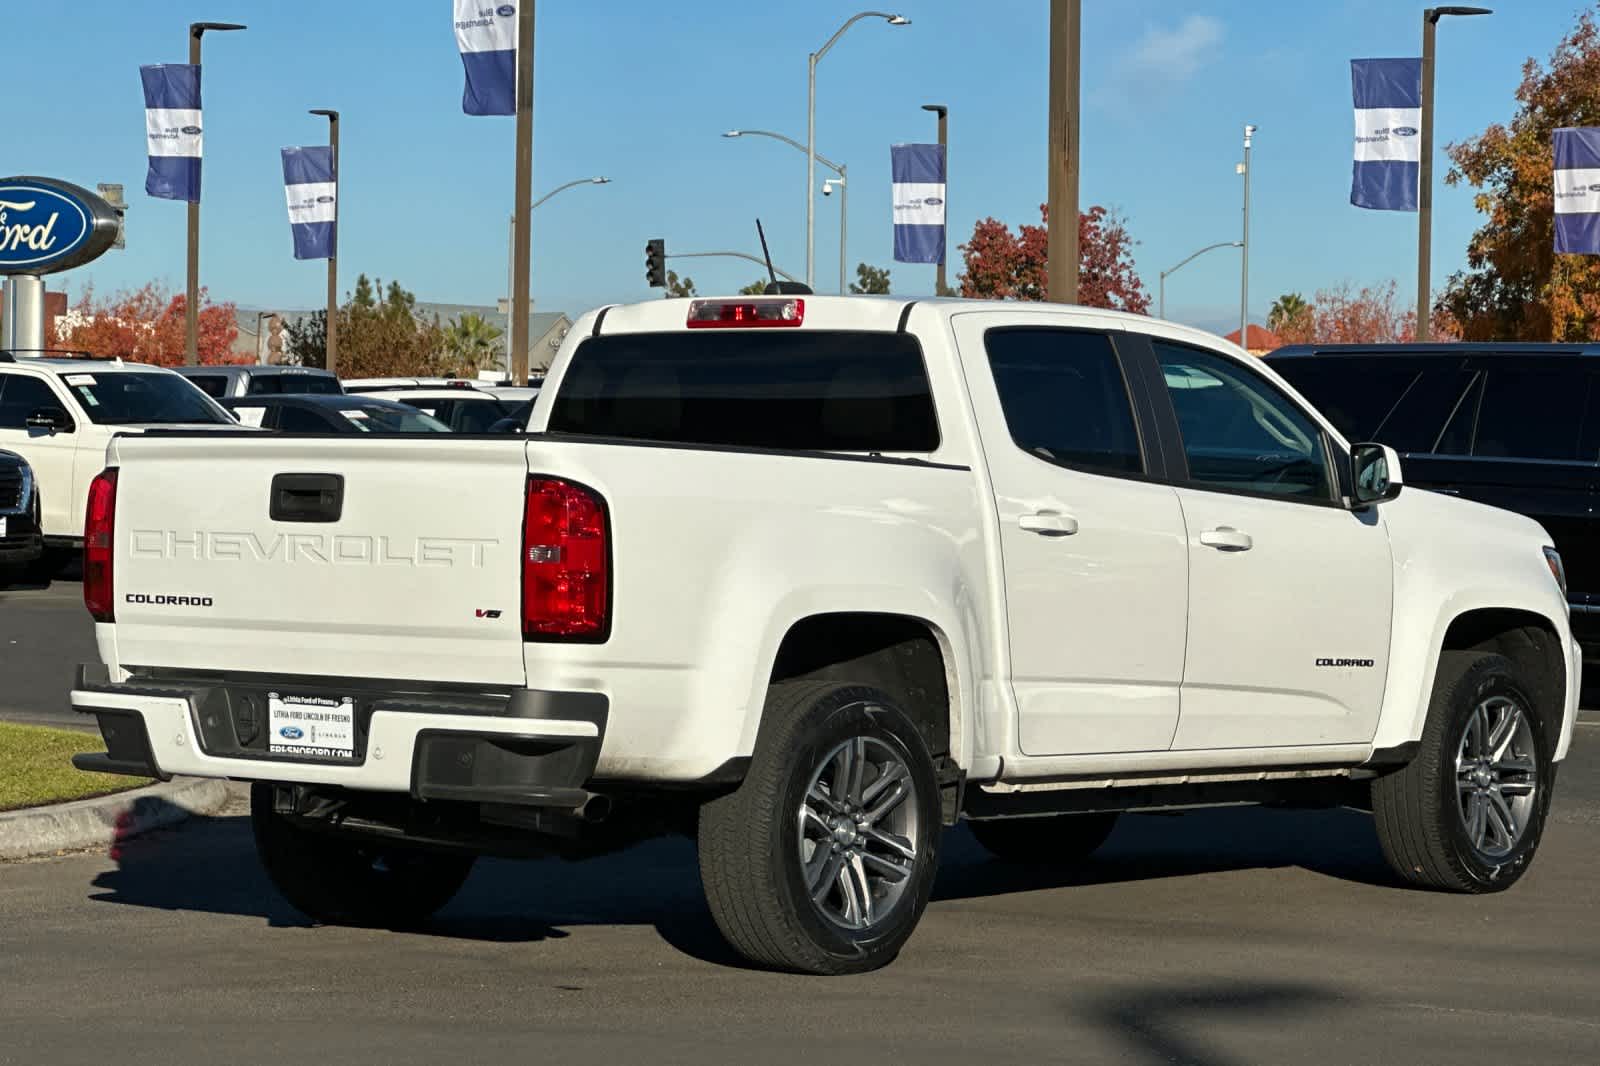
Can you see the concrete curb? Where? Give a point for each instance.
(107, 820)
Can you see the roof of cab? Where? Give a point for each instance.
(69, 365)
(1455, 348)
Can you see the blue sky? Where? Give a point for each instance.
(641, 91)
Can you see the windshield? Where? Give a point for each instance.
(129, 398)
(383, 419)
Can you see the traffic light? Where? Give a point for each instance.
(655, 263)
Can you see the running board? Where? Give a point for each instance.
(1316, 787)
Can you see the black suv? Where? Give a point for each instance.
(20, 538)
(1512, 425)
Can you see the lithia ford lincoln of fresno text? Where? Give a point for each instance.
(810, 579)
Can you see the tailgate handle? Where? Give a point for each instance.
(307, 497)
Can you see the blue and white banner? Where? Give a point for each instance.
(486, 34)
(172, 127)
(919, 187)
(308, 181)
(1388, 98)
(1577, 178)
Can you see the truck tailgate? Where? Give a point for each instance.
(345, 556)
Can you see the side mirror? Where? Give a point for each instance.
(51, 419)
(1375, 472)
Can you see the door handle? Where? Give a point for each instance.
(1049, 524)
(1228, 539)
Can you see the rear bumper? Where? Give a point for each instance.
(526, 748)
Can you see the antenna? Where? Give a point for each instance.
(771, 273)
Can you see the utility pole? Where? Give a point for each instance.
(1244, 246)
(191, 308)
(1066, 32)
(332, 361)
(521, 220)
(944, 149)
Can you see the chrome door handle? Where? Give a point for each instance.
(1228, 539)
(1049, 524)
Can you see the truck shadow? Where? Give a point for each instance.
(208, 865)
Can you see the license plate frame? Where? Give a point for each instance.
(311, 727)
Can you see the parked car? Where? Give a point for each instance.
(332, 414)
(21, 539)
(58, 413)
(355, 385)
(460, 406)
(1511, 425)
(809, 579)
(221, 382)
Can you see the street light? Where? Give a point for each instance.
(1244, 245)
(191, 310)
(844, 194)
(944, 149)
(811, 128)
(1430, 19)
(331, 359)
(1161, 306)
(511, 252)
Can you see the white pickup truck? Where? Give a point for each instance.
(810, 578)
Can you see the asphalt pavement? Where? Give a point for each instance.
(44, 634)
(1216, 937)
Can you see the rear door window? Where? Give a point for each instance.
(794, 390)
(1064, 398)
(1532, 411)
(210, 384)
(20, 396)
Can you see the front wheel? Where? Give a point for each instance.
(344, 881)
(823, 859)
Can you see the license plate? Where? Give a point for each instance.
(319, 727)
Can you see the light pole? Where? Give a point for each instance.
(517, 328)
(191, 309)
(1430, 19)
(332, 359)
(1244, 246)
(811, 129)
(1161, 306)
(944, 149)
(838, 168)
(1061, 235)
(511, 249)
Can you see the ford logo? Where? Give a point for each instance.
(506, 10)
(324, 199)
(291, 732)
(933, 201)
(192, 131)
(48, 225)
(1404, 131)
(1594, 188)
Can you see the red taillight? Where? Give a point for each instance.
(566, 562)
(98, 528)
(740, 314)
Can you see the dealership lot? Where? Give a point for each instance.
(1226, 936)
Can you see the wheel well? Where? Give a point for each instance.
(1532, 645)
(898, 654)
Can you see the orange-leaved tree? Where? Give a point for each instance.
(1001, 265)
(146, 326)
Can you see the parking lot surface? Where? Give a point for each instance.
(1217, 937)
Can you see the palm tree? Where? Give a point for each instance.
(1286, 309)
(472, 342)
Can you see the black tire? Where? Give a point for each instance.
(1052, 840)
(751, 841)
(344, 881)
(1419, 810)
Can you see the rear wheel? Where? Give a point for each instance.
(823, 859)
(1051, 840)
(1468, 812)
(343, 881)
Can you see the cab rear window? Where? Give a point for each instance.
(799, 391)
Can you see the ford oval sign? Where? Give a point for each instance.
(932, 201)
(506, 10)
(48, 225)
(1404, 131)
(291, 732)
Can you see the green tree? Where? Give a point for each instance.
(679, 286)
(363, 296)
(307, 339)
(1287, 310)
(471, 340)
(870, 279)
(755, 288)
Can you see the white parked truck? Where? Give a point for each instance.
(811, 578)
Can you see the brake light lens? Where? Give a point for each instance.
(566, 562)
(99, 530)
(744, 314)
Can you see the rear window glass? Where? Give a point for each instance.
(295, 384)
(801, 391)
(210, 384)
(1532, 413)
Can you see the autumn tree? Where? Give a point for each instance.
(1345, 314)
(1001, 265)
(1515, 287)
(147, 326)
(870, 279)
(378, 337)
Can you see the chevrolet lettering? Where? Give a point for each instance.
(309, 548)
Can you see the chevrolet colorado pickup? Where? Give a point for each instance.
(810, 579)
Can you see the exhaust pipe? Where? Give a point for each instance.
(594, 808)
